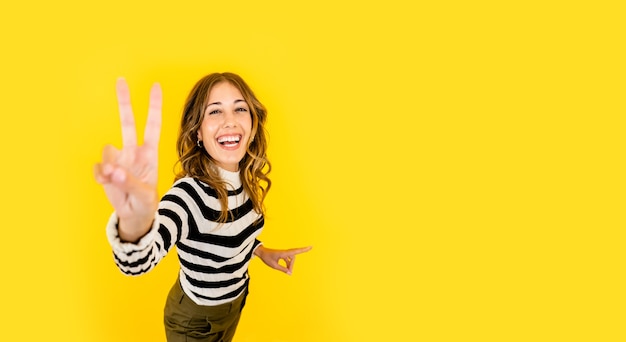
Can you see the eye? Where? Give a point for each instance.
(241, 109)
(214, 111)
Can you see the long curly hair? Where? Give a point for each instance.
(195, 162)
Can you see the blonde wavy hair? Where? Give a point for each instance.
(195, 162)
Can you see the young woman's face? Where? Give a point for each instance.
(226, 126)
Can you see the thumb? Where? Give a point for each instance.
(281, 268)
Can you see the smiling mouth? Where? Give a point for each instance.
(229, 140)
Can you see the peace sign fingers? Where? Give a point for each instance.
(129, 133)
(129, 175)
(153, 125)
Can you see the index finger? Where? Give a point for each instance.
(296, 251)
(129, 132)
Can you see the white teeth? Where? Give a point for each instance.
(230, 138)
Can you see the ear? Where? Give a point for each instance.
(199, 135)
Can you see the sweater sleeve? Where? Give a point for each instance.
(120, 247)
(140, 257)
(256, 245)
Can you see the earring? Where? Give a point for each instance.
(199, 143)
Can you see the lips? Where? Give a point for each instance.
(229, 140)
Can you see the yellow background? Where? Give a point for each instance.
(458, 166)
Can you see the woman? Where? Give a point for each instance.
(213, 213)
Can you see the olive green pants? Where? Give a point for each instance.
(188, 321)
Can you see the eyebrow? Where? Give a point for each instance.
(219, 103)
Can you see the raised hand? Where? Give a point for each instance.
(272, 257)
(129, 176)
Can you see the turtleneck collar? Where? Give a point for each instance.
(231, 177)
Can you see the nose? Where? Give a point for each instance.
(229, 119)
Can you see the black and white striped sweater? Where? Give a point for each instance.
(214, 259)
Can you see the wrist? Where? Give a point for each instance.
(259, 251)
(130, 230)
